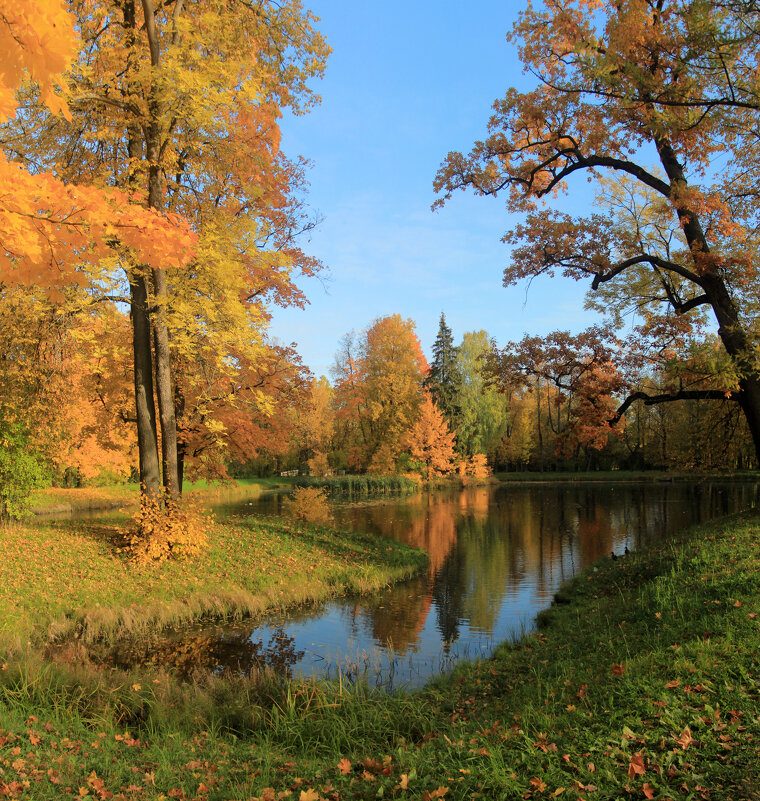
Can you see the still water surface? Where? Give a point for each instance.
(497, 556)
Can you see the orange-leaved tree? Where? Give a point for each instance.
(178, 103)
(664, 96)
(430, 442)
(54, 235)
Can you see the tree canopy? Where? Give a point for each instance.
(662, 95)
(175, 106)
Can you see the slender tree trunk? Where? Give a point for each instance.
(139, 290)
(147, 445)
(164, 392)
(538, 423)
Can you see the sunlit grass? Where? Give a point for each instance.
(642, 682)
(70, 577)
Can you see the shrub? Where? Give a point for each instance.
(308, 504)
(166, 528)
(20, 473)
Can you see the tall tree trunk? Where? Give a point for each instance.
(730, 328)
(164, 392)
(139, 292)
(147, 445)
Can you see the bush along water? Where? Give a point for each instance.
(360, 485)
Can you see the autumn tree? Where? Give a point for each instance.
(621, 85)
(53, 236)
(483, 411)
(429, 441)
(314, 425)
(177, 103)
(378, 391)
(582, 374)
(225, 417)
(443, 380)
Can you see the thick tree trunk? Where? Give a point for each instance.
(730, 328)
(147, 445)
(164, 392)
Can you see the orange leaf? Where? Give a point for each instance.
(636, 766)
(344, 766)
(685, 739)
(648, 791)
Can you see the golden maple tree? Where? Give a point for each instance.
(378, 392)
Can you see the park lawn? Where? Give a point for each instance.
(77, 499)
(643, 681)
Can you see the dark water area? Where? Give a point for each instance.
(497, 556)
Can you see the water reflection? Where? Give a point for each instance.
(196, 650)
(497, 555)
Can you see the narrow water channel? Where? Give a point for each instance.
(497, 556)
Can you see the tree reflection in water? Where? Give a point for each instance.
(195, 651)
(497, 556)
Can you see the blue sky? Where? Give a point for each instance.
(406, 84)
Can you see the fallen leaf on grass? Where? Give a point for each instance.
(685, 739)
(648, 791)
(429, 795)
(636, 766)
(344, 766)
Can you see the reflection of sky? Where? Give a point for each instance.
(497, 559)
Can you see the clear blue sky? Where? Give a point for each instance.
(406, 84)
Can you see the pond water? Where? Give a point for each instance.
(497, 556)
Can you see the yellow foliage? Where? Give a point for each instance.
(478, 467)
(38, 42)
(383, 462)
(308, 504)
(166, 529)
(318, 465)
(475, 470)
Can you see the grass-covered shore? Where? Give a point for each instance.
(64, 500)
(68, 578)
(626, 476)
(643, 682)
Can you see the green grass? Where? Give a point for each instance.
(642, 682)
(69, 576)
(77, 499)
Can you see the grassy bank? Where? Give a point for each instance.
(69, 577)
(623, 475)
(643, 682)
(360, 485)
(62, 500)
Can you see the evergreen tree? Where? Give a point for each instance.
(443, 378)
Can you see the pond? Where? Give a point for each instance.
(497, 556)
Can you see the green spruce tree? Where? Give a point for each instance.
(443, 379)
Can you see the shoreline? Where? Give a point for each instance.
(642, 681)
